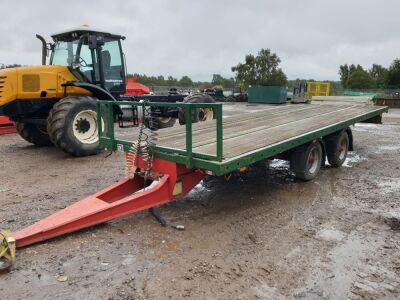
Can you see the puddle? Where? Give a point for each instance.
(198, 190)
(389, 185)
(387, 148)
(366, 125)
(4, 189)
(128, 260)
(279, 164)
(264, 291)
(334, 277)
(330, 234)
(353, 159)
(372, 128)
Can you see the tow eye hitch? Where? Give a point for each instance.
(7, 250)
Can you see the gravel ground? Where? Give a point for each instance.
(259, 235)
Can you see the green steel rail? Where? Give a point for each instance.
(108, 140)
(217, 165)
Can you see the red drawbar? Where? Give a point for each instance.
(120, 199)
(6, 126)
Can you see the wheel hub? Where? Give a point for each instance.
(82, 125)
(206, 114)
(85, 127)
(342, 150)
(312, 161)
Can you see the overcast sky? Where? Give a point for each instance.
(201, 37)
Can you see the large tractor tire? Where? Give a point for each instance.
(34, 134)
(198, 114)
(72, 125)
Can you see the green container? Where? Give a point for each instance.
(374, 96)
(267, 94)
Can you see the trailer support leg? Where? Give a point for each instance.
(156, 215)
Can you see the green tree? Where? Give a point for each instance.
(393, 75)
(346, 70)
(260, 70)
(379, 75)
(171, 81)
(217, 79)
(360, 79)
(185, 81)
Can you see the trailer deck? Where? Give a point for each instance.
(250, 137)
(251, 132)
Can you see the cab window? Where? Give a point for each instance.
(112, 66)
(86, 63)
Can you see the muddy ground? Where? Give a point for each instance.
(260, 235)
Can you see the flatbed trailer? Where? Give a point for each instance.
(304, 134)
(233, 142)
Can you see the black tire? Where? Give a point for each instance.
(337, 147)
(34, 134)
(197, 114)
(72, 125)
(165, 122)
(306, 161)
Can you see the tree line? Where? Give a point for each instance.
(184, 81)
(377, 77)
(263, 69)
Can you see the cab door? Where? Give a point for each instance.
(113, 67)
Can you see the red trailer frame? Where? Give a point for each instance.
(6, 126)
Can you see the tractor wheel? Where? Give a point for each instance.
(306, 161)
(72, 125)
(198, 114)
(34, 134)
(337, 147)
(165, 122)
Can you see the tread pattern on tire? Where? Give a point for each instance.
(168, 124)
(56, 126)
(32, 134)
(298, 162)
(195, 98)
(331, 149)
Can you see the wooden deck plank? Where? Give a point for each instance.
(208, 136)
(253, 141)
(227, 122)
(248, 132)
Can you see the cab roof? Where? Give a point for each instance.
(76, 32)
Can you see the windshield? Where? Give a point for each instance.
(64, 53)
(100, 63)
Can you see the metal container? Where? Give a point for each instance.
(267, 94)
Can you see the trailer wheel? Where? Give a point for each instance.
(337, 148)
(165, 122)
(34, 134)
(199, 114)
(72, 125)
(306, 161)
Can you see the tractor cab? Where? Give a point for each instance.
(92, 56)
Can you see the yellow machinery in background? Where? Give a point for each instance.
(318, 89)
